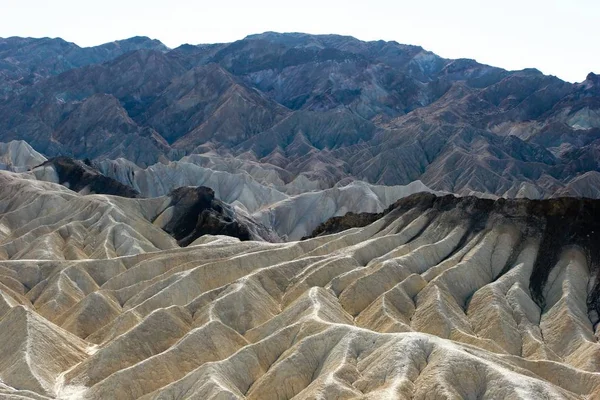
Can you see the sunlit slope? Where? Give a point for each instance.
(442, 298)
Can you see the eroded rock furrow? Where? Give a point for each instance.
(439, 297)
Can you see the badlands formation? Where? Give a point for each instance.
(272, 210)
(269, 219)
(440, 298)
(291, 217)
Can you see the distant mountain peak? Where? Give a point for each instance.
(593, 78)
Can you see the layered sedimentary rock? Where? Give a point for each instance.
(291, 210)
(81, 177)
(220, 202)
(43, 220)
(440, 297)
(236, 188)
(19, 156)
(40, 216)
(299, 215)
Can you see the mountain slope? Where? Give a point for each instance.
(319, 109)
(441, 296)
(19, 156)
(291, 211)
(209, 104)
(25, 61)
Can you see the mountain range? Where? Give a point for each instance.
(294, 216)
(315, 109)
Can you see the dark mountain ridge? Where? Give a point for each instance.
(323, 107)
(25, 61)
(556, 224)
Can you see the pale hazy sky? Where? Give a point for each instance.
(559, 37)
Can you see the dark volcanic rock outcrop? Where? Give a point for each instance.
(81, 177)
(555, 225)
(344, 222)
(192, 211)
(196, 212)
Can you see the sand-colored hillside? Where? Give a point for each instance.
(439, 299)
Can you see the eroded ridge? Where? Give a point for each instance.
(441, 297)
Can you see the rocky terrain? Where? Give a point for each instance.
(26, 61)
(195, 212)
(19, 156)
(292, 210)
(439, 297)
(309, 111)
(81, 177)
(185, 213)
(294, 216)
(256, 205)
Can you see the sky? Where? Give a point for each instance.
(557, 37)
